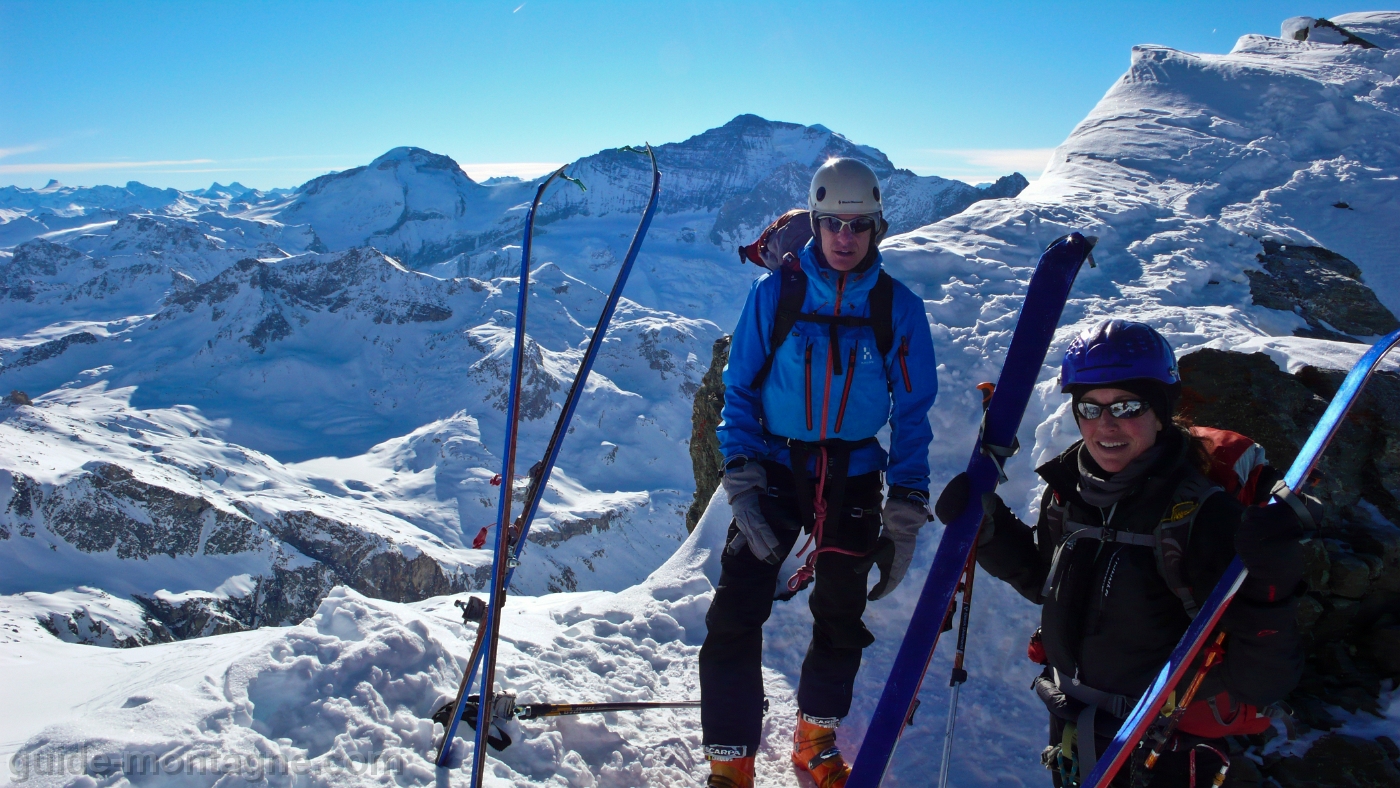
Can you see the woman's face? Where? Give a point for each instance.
(1115, 442)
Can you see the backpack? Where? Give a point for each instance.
(777, 249)
(1236, 467)
(782, 238)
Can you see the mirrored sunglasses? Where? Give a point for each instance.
(835, 224)
(1127, 409)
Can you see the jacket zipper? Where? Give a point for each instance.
(831, 356)
(808, 380)
(846, 389)
(903, 365)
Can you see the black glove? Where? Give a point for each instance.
(1267, 543)
(952, 502)
(882, 556)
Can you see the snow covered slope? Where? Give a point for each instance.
(1188, 163)
(343, 698)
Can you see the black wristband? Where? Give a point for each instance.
(919, 497)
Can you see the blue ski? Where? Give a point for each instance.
(510, 537)
(1040, 315)
(1146, 710)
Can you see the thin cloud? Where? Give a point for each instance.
(6, 152)
(517, 8)
(986, 161)
(982, 165)
(91, 166)
(999, 159)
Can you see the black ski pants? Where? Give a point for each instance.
(731, 669)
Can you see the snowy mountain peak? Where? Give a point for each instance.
(419, 159)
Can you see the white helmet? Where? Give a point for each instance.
(844, 186)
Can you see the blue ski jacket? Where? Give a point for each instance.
(802, 398)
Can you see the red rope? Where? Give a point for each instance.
(808, 570)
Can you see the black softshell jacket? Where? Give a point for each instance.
(1112, 620)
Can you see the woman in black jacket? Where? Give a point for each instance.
(1131, 538)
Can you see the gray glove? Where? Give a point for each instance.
(745, 486)
(902, 519)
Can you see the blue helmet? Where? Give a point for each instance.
(1115, 351)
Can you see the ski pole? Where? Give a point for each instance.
(959, 674)
(531, 711)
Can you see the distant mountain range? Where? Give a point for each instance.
(363, 313)
(421, 208)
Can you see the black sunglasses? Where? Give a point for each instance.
(1127, 409)
(835, 224)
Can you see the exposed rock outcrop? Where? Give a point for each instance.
(1322, 287)
(108, 509)
(704, 443)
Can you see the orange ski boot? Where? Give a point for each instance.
(814, 751)
(731, 773)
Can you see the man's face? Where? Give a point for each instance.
(846, 248)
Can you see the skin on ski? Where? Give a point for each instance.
(1035, 327)
(1147, 709)
(513, 539)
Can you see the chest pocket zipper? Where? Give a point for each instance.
(1108, 575)
(846, 389)
(904, 365)
(807, 360)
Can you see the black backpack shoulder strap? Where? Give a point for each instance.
(881, 301)
(792, 292)
(1173, 535)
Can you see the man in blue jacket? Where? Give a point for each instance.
(829, 350)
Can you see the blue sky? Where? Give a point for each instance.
(273, 94)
